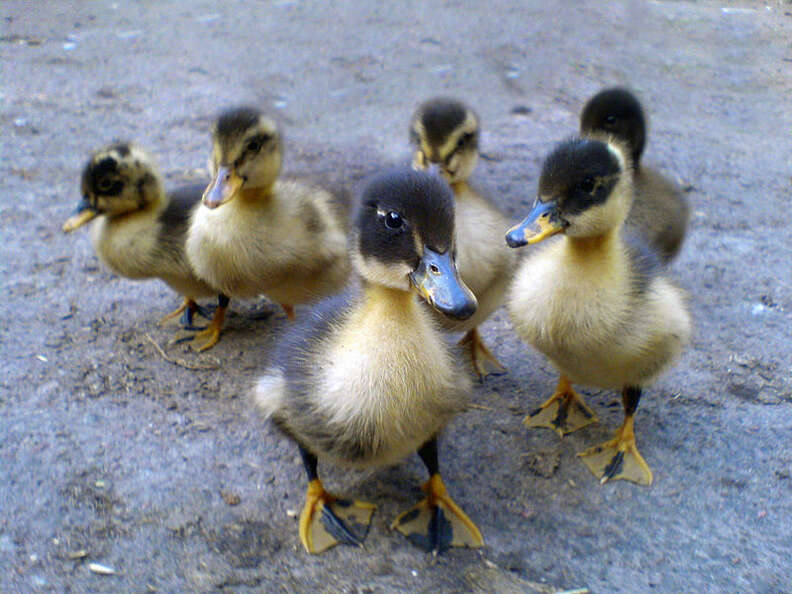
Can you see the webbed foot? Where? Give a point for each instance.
(187, 309)
(438, 523)
(618, 458)
(326, 520)
(564, 412)
(484, 362)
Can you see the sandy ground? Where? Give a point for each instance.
(153, 464)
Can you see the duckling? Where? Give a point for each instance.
(257, 234)
(140, 229)
(445, 135)
(660, 211)
(596, 303)
(368, 379)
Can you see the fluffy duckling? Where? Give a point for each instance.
(257, 234)
(445, 135)
(660, 211)
(139, 231)
(367, 379)
(596, 302)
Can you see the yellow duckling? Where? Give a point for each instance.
(660, 211)
(257, 234)
(445, 135)
(596, 302)
(139, 229)
(367, 379)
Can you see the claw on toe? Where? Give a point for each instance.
(484, 362)
(438, 523)
(564, 412)
(187, 309)
(326, 520)
(209, 336)
(618, 458)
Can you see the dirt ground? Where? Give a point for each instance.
(119, 449)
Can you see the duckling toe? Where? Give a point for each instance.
(437, 523)
(484, 362)
(326, 520)
(564, 412)
(187, 311)
(617, 459)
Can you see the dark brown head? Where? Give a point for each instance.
(444, 133)
(246, 154)
(616, 111)
(404, 236)
(117, 180)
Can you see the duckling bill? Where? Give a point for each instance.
(367, 379)
(596, 302)
(139, 230)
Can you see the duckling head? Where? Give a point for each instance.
(117, 180)
(445, 136)
(246, 156)
(585, 191)
(616, 111)
(404, 239)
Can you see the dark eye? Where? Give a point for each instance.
(254, 144)
(393, 220)
(610, 121)
(587, 185)
(465, 139)
(104, 184)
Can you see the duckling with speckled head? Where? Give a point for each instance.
(139, 230)
(445, 136)
(596, 302)
(367, 378)
(660, 211)
(256, 234)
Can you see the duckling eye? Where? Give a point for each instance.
(254, 145)
(393, 220)
(464, 139)
(610, 120)
(104, 184)
(587, 185)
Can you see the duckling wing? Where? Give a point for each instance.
(175, 219)
(660, 213)
(645, 263)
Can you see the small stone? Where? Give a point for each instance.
(230, 498)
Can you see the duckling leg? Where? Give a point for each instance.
(326, 520)
(564, 412)
(437, 522)
(289, 311)
(619, 457)
(211, 334)
(484, 362)
(187, 309)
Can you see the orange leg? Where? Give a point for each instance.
(289, 311)
(211, 334)
(484, 362)
(619, 457)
